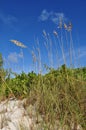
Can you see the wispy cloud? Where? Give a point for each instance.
(7, 19)
(14, 57)
(78, 56)
(55, 17)
(44, 15)
(82, 52)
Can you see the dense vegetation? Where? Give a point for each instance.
(58, 95)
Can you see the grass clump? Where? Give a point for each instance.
(59, 96)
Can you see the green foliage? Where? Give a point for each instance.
(20, 85)
(57, 95)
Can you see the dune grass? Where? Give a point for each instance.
(59, 95)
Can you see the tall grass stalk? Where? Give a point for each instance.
(56, 48)
(48, 46)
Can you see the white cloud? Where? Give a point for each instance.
(55, 17)
(13, 57)
(82, 52)
(44, 15)
(77, 56)
(7, 19)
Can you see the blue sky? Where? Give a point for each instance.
(25, 21)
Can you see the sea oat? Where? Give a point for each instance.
(70, 27)
(44, 33)
(55, 33)
(34, 56)
(60, 24)
(18, 43)
(65, 26)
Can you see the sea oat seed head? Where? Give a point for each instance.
(18, 43)
(65, 26)
(55, 33)
(70, 27)
(44, 33)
